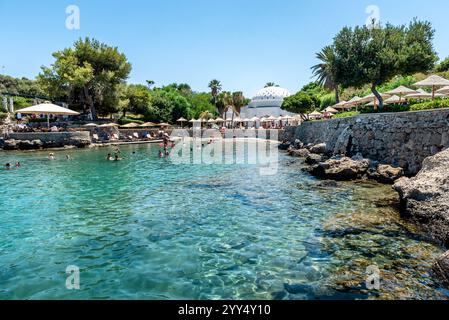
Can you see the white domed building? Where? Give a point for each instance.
(267, 102)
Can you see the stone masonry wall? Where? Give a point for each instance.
(57, 137)
(401, 139)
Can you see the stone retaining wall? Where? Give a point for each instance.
(402, 139)
(57, 137)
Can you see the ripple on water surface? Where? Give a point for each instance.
(144, 228)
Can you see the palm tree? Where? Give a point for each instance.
(215, 88)
(324, 71)
(206, 115)
(271, 84)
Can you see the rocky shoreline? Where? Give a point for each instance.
(424, 198)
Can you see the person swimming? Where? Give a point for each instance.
(161, 154)
(51, 156)
(117, 158)
(18, 165)
(68, 157)
(109, 157)
(7, 166)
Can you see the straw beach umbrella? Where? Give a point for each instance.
(148, 124)
(131, 125)
(340, 105)
(444, 90)
(181, 120)
(91, 125)
(401, 91)
(108, 125)
(48, 109)
(393, 100)
(331, 110)
(433, 81)
(355, 101)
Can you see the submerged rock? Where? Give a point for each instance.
(441, 268)
(425, 198)
(341, 169)
(386, 173)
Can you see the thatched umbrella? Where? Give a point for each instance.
(433, 81)
(401, 91)
(331, 110)
(444, 90)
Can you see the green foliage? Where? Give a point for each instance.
(167, 105)
(346, 114)
(301, 103)
(23, 86)
(387, 108)
(199, 103)
(3, 116)
(374, 56)
(87, 75)
(122, 121)
(435, 104)
(443, 66)
(327, 100)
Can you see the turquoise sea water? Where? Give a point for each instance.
(144, 228)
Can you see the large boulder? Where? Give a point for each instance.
(11, 144)
(314, 158)
(425, 198)
(441, 268)
(301, 153)
(318, 148)
(386, 173)
(341, 169)
(284, 146)
(26, 145)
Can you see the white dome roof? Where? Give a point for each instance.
(272, 93)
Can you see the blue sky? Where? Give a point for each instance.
(243, 43)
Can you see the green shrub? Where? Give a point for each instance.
(3, 116)
(386, 108)
(124, 121)
(435, 104)
(346, 114)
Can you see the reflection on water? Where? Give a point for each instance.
(146, 229)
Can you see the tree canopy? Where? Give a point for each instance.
(301, 103)
(375, 55)
(87, 75)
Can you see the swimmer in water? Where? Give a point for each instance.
(18, 165)
(109, 157)
(161, 154)
(68, 157)
(117, 158)
(51, 156)
(8, 166)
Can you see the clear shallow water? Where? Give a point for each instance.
(146, 229)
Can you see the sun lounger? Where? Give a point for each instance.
(136, 135)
